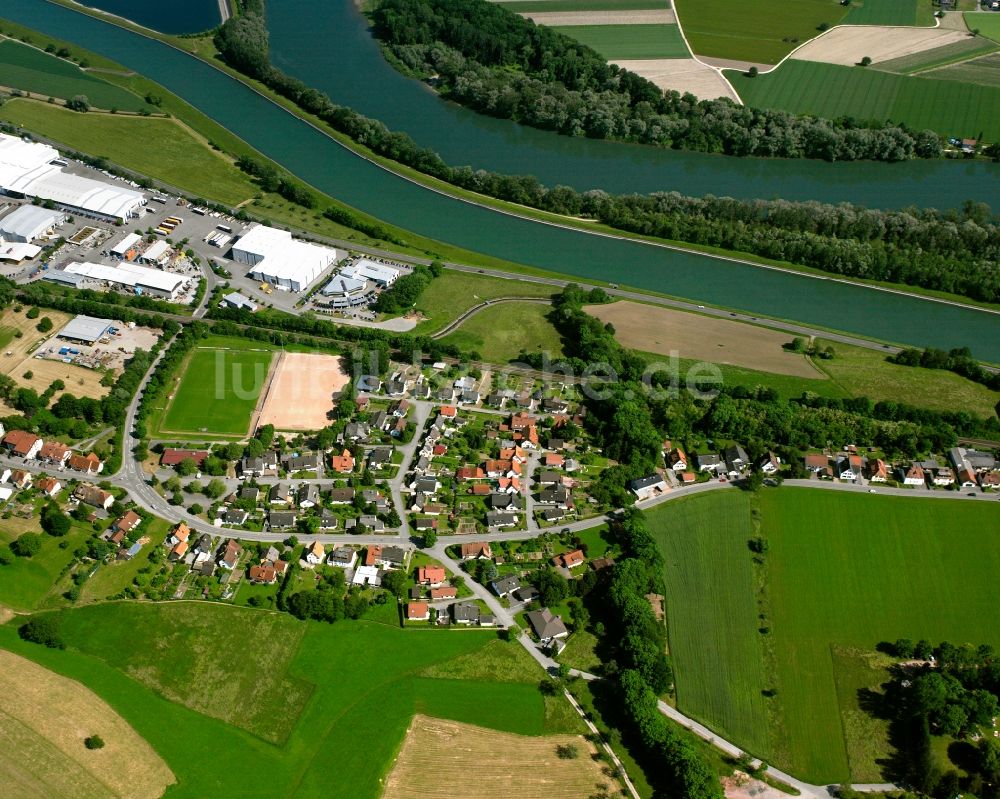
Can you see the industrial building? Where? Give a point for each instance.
(158, 253)
(85, 329)
(347, 292)
(381, 275)
(236, 300)
(17, 251)
(280, 260)
(27, 170)
(127, 248)
(29, 222)
(140, 279)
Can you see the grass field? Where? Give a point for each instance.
(450, 295)
(191, 164)
(711, 609)
(527, 6)
(630, 41)
(831, 91)
(29, 69)
(27, 583)
(844, 571)
(500, 333)
(364, 677)
(763, 32)
(44, 719)
(986, 22)
(985, 71)
(939, 57)
(218, 391)
(889, 12)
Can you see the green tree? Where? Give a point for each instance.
(26, 545)
(43, 630)
(430, 538)
(394, 581)
(54, 521)
(45, 325)
(215, 488)
(187, 467)
(93, 742)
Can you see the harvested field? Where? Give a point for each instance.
(647, 17)
(847, 45)
(662, 330)
(436, 755)
(300, 392)
(955, 53)
(985, 71)
(44, 719)
(615, 42)
(682, 75)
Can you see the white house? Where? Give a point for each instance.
(647, 487)
(316, 554)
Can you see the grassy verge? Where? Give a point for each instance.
(501, 332)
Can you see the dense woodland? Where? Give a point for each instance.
(956, 251)
(496, 62)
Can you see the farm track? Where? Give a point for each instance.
(457, 323)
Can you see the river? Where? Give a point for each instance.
(335, 170)
(175, 16)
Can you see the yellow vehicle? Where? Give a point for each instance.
(266, 288)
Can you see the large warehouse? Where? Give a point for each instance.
(280, 260)
(85, 329)
(29, 222)
(141, 279)
(26, 169)
(364, 269)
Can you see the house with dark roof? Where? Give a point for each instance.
(501, 519)
(505, 585)
(281, 519)
(708, 462)
(546, 626)
(306, 462)
(465, 613)
(647, 487)
(266, 464)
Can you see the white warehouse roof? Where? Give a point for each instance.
(131, 275)
(126, 244)
(280, 259)
(18, 251)
(85, 328)
(343, 285)
(18, 158)
(369, 270)
(156, 251)
(28, 222)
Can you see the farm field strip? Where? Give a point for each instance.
(646, 17)
(984, 71)
(961, 51)
(986, 22)
(848, 45)
(542, 6)
(888, 12)
(500, 333)
(630, 41)
(29, 69)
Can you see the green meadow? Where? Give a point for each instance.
(630, 41)
(245, 702)
(844, 572)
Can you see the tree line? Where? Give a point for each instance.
(953, 251)
(958, 360)
(494, 61)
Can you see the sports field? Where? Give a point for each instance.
(830, 91)
(986, 22)
(179, 155)
(363, 680)
(889, 12)
(218, 391)
(44, 719)
(630, 41)
(762, 32)
(301, 391)
(844, 570)
(26, 68)
(499, 333)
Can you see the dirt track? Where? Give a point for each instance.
(44, 719)
(848, 45)
(682, 75)
(300, 393)
(702, 338)
(649, 17)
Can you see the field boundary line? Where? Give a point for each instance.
(607, 747)
(718, 70)
(266, 393)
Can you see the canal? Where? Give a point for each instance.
(335, 170)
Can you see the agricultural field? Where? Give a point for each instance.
(984, 71)
(763, 32)
(889, 12)
(362, 682)
(180, 156)
(962, 51)
(630, 41)
(545, 6)
(44, 719)
(218, 390)
(986, 22)
(849, 45)
(452, 294)
(32, 70)
(436, 754)
(830, 91)
(712, 614)
(499, 333)
(887, 567)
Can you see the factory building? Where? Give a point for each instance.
(140, 279)
(347, 292)
(29, 222)
(278, 259)
(127, 248)
(27, 170)
(85, 329)
(381, 275)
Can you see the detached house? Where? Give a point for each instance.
(54, 452)
(914, 476)
(477, 550)
(432, 576)
(547, 626)
(418, 611)
(570, 560)
(266, 464)
(92, 495)
(88, 463)
(315, 554)
(49, 486)
(21, 442)
(230, 554)
(770, 463)
(647, 487)
(877, 472)
(342, 463)
(677, 460)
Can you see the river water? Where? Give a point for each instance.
(175, 16)
(335, 170)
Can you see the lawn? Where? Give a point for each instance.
(501, 332)
(250, 666)
(218, 391)
(538, 6)
(845, 572)
(178, 155)
(889, 12)
(986, 22)
(630, 41)
(712, 613)
(450, 295)
(32, 70)
(829, 90)
(26, 582)
(763, 32)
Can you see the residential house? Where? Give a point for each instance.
(281, 519)
(308, 495)
(554, 405)
(526, 593)
(770, 463)
(987, 480)
(306, 462)
(817, 463)
(328, 520)
(554, 514)
(469, 473)
(597, 564)
(559, 495)
(444, 592)
(21, 478)
(379, 458)
(178, 551)
(914, 476)
(372, 496)
(423, 525)
(249, 492)
(342, 463)
(708, 462)
(48, 486)
(553, 460)
(128, 522)
(365, 523)
(547, 626)
(677, 460)
(481, 489)
(344, 557)
(943, 477)
(549, 478)
(418, 611)
(362, 403)
(505, 585)
(503, 501)
(432, 576)
(203, 548)
(392, 557)
(877, 471)
(465, 613)
(88, 463)
(341, 496)
(400, 408)
(647, 487)
(395, 387)
(181, 532)
(570, 560)
(501, 519)
(477, 550)
(92, 495)
(171, 457)
(736, 460)
(373, 555)
(688, 477)
(21, 442)
(844, 469)
(366, 575)
(369, 383)
(235, 517)
(280, 494)
(357, 432)
(267, 572)
(266, 464)
(425, 485)
(230, 553)
(54, 452)
(315, 554)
